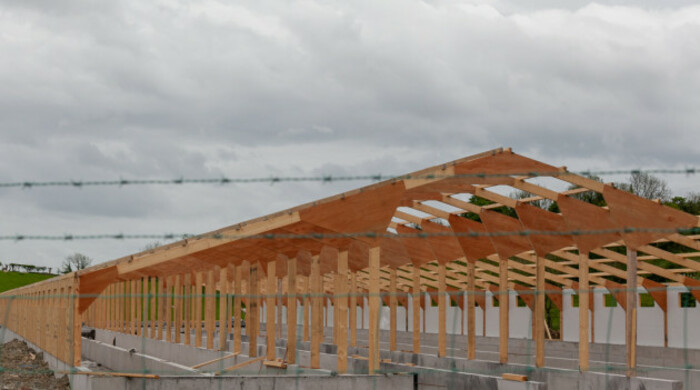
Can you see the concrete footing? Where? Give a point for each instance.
(399, 369)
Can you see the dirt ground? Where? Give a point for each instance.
(23, 368)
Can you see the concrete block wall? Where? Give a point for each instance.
(608, 322)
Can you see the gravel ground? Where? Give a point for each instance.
(23, 368)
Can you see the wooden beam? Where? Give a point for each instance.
(316, 311)
(374, 314)
(442, 311)
(270, 309)
(341, 302)
(416, 306)
(187, 247)
(503, 322)
(134, 298)
(154, 296)
(307, 308)
(471, 312)
(210, 310)
(539, 312)
(224, 314)
(237, 309)
(168, 308)
(178, 307)
(196, 366)
(291, 310)
(247, 362)
(252, 310)
(353, 309)
(583, 301)
(188, 307)
(392, 309)
(631, 312)
(199, 284)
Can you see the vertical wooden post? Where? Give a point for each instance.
(161, 306)
(139, 306)
(425, 310)
(539, 311)
(591, 306)
(291, 310)
(416, 308)
(583, 302)
(169, 309)
(336, 279)
(442, 311)
(374, 299)
(279, 308)
(76, 324)
(503, 305)
(120, 306)
(224, 317)
(132, 308)
(237, 309)
(341, 303)
(471, 310)
(199, 283)
(178, 307)
(316, 312)
(210, 312)
(112, 306)
(353, 310)
(631, 312)
(188, 307)
(270, 309)
(393, 299)
(153, 303)
(307, 308)
(252, 322)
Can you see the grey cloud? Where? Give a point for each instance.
(207, 89)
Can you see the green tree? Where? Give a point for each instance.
(646, 186)
(75, 262)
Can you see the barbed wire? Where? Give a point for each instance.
(364, 234)
(327, 178)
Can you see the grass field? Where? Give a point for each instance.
(10, 280)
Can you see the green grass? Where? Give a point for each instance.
(10, 280)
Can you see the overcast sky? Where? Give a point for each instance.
(163, 89)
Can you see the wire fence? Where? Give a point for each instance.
(183, 326)
(330, 178)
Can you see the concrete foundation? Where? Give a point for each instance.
(659, 368)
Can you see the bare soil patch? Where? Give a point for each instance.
(23, 368)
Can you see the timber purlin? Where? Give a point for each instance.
(347, 246)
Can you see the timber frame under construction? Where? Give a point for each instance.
(390, 249)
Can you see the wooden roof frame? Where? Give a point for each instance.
(374, 209)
